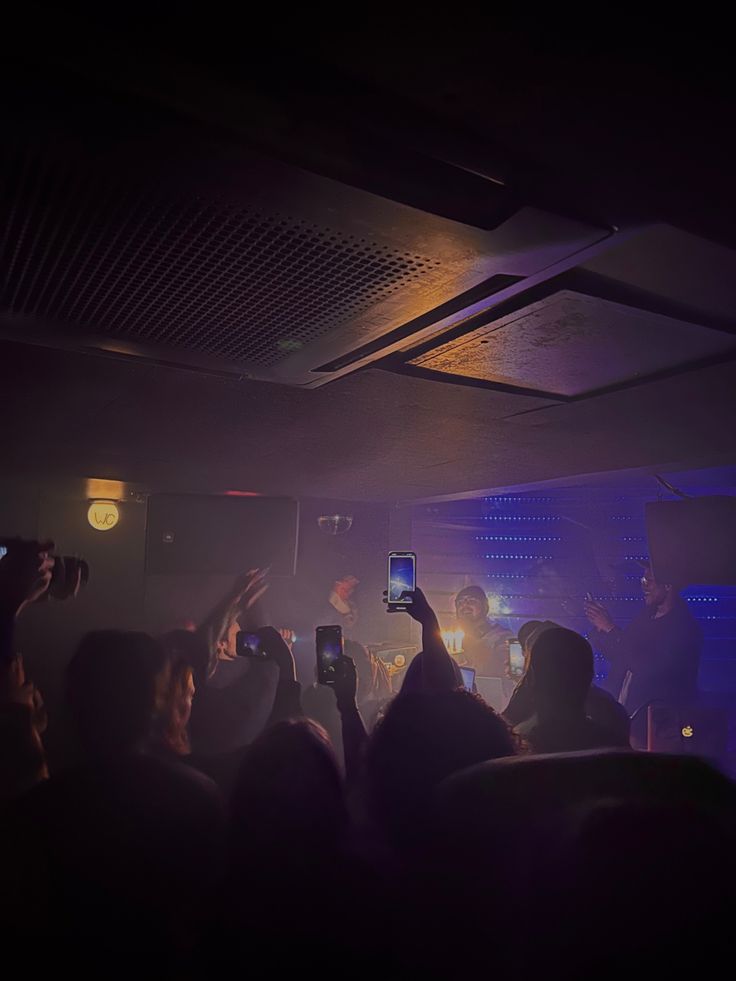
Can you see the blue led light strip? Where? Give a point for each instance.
(520, 518)
(514, 556)
(519, 499)
(517, 538)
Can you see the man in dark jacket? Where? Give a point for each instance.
(658, 654)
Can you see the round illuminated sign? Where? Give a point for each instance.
(103, 515)
(687, 731)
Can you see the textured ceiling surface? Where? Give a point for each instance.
(618, 136)
(569, 343)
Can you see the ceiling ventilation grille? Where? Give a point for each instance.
(156, 267)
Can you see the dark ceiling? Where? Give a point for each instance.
(370, 436)
(616, 117)
(597, 128)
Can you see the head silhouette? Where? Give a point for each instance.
(111, 687)
(561, 671)
(289, 790)
(423, 738)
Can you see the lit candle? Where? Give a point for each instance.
(453, 640)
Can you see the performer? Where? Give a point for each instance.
(657, 656)
(485, 644)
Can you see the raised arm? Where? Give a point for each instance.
(246, 590)
(433, 669)
(25, 575)
(608, 635)
(354, 736)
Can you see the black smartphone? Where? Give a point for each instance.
(468, 678)
(329, 651)
(402, 577)
(248, 645)
(516, 659)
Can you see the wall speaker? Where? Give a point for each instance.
(217, 534)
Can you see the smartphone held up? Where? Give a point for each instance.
(402, 578)
(248, 644)
(516, 659)
(329, 645)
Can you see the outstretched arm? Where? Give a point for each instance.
(437, 670)
(25, 575)
(287, 700)
(608, 635)
(354, 736)
(246, 590)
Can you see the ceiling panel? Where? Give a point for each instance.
(571, 344)
(127, 225)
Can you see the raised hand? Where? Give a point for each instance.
(346, 682)
(245, 591)
(278, 651)
(25, 574)
(248, 588)
(418, 608)
(599, 616)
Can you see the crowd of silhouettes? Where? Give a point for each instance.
(220, 816)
